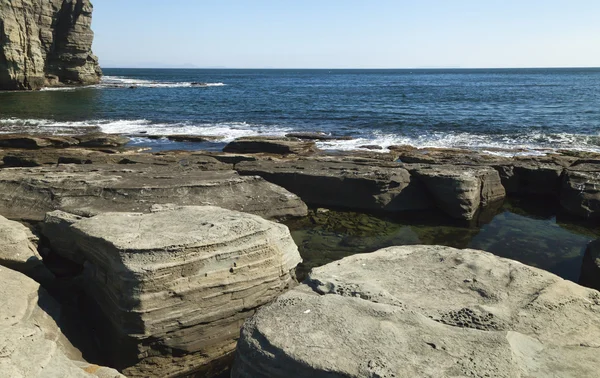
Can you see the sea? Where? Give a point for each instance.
(498, 111)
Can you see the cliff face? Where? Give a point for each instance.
(46, 43)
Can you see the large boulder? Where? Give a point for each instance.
(366, 186)
(425, 311)
(28, 193)
(175, 286)
(46, 43)
(31, 343)
(460, 191)
(270, 145)
(580, 192)
(590, 267)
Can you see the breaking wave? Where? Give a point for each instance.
(526, 143)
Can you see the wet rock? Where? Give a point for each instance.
(425, 311)
(317, 136)
(35, 141)
(580, 192)
(193, 138)
(369, 187)
(460, 191)
(590, 268)
(270, 145)
(29, 193)
(31, 342)
(100, 140)
(371, 147)
(175, 285)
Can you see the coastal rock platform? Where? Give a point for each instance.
(425, 311)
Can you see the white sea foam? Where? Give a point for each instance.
(126, 82)
(527, 143)
(119, 81)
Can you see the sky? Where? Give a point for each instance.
(347, 33)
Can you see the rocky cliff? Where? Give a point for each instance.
(46, 43)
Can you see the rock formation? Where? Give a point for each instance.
(46, 43)
(174, 286)
(89, 189)
(349, 185)
(425, 311)
(31, 343)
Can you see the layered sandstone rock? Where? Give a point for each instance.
(46, 43)
(350, 185)
(425, 311)
(31, 343)
(176, 285)
(460, 191)
(28, 193)
(580, 192)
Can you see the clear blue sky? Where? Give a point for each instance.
(347, 33)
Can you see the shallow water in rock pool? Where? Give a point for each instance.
(524, 230)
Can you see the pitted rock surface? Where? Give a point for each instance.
(425, 311)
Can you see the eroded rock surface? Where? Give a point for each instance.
(28, 193)
(350, 185)
(580, 192)
(46, 43)
(31, 343)
(176, 285)
(425, 311)
(460, 191)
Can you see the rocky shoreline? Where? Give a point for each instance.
(162, 256)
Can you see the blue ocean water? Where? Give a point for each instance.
(489, 109)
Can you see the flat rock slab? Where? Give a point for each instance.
(425, 311)
(361, 186)
(28, 193)
(31, 343)
(270, 145)
(176, 285)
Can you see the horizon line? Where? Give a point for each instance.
(350, 68)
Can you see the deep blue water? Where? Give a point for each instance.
(505, 108)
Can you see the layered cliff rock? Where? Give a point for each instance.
(46, 43)
(175, 286)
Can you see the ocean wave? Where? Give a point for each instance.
(124, 82)
(525, 143)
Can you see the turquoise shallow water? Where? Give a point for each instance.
(524, 108)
